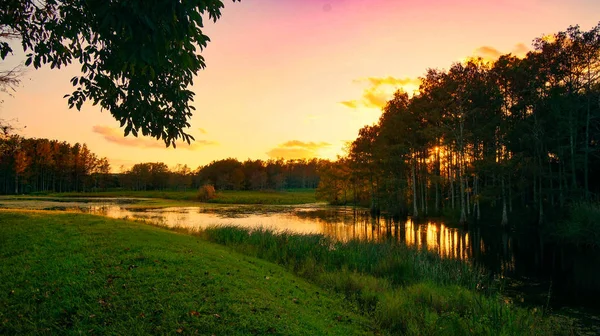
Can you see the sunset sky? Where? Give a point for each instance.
(299, 78)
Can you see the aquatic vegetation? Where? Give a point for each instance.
(406, 290)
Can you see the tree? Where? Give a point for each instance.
(137, 57)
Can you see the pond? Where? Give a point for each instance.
(535, 271)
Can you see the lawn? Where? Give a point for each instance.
(65, 273)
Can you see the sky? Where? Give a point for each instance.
(298, 78)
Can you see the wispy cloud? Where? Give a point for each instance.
(296, 149)
(202, 130)
(380, 90)
(307, 145)
(115, 135)
(491, 54)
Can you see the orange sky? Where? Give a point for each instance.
(299, 78)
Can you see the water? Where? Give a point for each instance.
(536, 272)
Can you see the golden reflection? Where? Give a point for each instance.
(340, 225)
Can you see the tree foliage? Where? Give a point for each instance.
(138, 58)
(486, 139)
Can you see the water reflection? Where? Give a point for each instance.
(534, 267)
(338, 224)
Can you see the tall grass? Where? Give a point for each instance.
(406, 290)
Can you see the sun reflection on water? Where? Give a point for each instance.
(339, 224)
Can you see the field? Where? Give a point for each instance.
(82, 274)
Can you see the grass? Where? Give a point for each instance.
(65, 273)
(404, 290)
(288, 197)
(581, 227)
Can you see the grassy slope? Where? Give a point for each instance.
(72, 273)
(405, 290)
(299, 196)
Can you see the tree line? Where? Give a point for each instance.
(227, 174)
(42, 165)
(518, 135)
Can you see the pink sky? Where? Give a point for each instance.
(278, 72)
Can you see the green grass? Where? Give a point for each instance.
(81, 274)
(288, 197)
(404, 290)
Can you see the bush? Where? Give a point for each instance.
(581, 227)
(206, 193)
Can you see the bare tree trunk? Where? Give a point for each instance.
(452, 181)
(467, 195)
(560, 184)
(477, 199)
(426, 196)
(437, 197)
(422, 191)
(510, 202)
(414, 187)
(463, 214)
(504, 221)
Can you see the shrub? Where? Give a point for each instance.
(206, 193)
(581, 227)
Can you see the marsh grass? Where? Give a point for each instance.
(405, 290)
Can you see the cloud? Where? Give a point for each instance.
(296, 149)
(380, 90)
(389, 80)
(115, 135)
(487, 53)
(202, 130)
(491, 54)
(351, 103)
(307, 145)
(521, 50)
(291, 153)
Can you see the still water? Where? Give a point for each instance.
(536, 272)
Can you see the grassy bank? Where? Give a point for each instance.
(286, 197)
(81, 274)
(405, 291)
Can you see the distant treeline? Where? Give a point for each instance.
(42, 165)
(485, 139)
(228, 174)
(34, 165)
